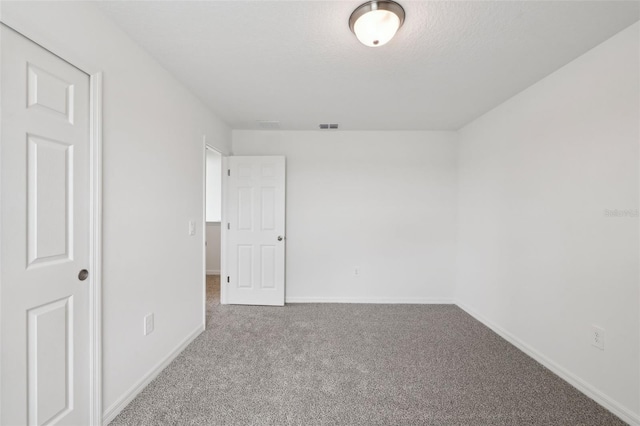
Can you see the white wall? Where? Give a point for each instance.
(538, 258)
(213, 248)
(153, 185)
(381, 201)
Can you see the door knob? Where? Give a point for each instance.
(82, 275)
(280, 238)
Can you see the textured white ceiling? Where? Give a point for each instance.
(298, 63)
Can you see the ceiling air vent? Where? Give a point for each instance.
(328, 126)
(269, 125)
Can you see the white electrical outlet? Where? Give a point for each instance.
(356, 270)
(192, 228)
(597, 337)
(148, 324)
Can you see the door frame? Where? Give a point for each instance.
(95, 250)
(223, 160)
(95, 234)
(223, 233)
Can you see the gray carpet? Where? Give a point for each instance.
(320, 364)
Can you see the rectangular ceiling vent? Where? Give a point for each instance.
(328, 126)
(269, 125)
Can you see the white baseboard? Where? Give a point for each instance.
(624, 413)
(213, 271)
(115, 408)
(389, 300)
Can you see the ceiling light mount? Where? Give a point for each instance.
(376, 22)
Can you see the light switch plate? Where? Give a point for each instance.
(148, 324)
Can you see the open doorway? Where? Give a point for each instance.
(213, 231)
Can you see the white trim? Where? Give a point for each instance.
(204, 229)
(638, 282)
(213, 272)
(382, 300)
(624, 413)
(130, 394)
(95, 251)
(1, 23)
(223, 233)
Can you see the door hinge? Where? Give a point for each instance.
(228, 172)
(227, 278)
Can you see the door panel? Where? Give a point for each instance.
(49, 358)
(50, 92)
(245, 209)
(50, 200)
(44, 237)
(245, 262)
(268, 208)
(268, 262)
(256, 212)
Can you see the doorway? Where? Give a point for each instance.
(212, 227)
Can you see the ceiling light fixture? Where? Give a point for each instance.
(376, 22)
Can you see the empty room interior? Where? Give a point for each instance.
(319, 212)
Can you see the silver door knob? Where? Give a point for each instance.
(82, 275)
(280, 238)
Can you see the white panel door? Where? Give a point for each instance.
(44, 233)
(255, 230)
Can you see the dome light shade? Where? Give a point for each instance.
(376, 22)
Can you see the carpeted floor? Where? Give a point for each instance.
(340, 364)
(213, 294)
